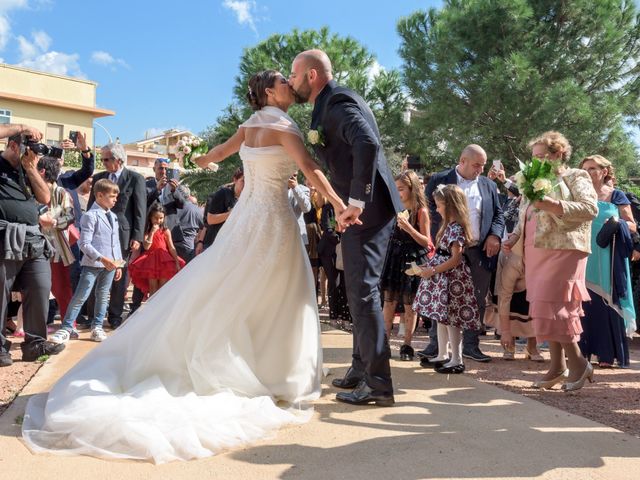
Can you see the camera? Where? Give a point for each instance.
(41, 148)
(73, 136)
(42, 209)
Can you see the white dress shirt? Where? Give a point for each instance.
(474, 201)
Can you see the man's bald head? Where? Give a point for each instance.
(310, 72)
(472, 161)
(317, 60)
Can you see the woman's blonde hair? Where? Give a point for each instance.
(554, 142)
(410, 179)
(602, 163)
(455, 209)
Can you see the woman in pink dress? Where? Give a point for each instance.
(557, 242)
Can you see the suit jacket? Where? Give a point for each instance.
(131, 207)
(350, 148)
(573, 230)
(98, 238)
(173, 202)
(491, 218)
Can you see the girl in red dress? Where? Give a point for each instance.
(159, 262)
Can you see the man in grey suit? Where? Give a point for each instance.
(487, 226)
(131, 211)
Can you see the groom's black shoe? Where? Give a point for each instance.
(350, 380)
(363, 394)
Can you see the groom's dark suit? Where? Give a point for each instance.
(350, 148)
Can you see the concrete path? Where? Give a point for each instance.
(441, 427)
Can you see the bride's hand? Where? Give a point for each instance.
(350, 216)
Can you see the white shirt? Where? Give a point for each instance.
(474, 200)
(115, 176)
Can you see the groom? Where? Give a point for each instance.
(345, 136)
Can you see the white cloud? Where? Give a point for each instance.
(245, 12)
(34, 55)
(42, 40)
(105, 58)
(55, 62)
(5, 31)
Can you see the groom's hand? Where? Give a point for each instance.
(350, 216)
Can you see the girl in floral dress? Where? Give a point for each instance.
(446, 292)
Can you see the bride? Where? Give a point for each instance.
(229, 350)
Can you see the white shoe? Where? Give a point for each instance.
(98, 335)
(60, 337)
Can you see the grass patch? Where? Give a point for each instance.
(42, 358)
(19, 420)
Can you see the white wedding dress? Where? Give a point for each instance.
(224, 354)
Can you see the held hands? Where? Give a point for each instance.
(427, 272)
(491, 246)
(135, 245)
(118, 274)
(349, 216)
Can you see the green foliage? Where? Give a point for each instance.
(19, 420)
(42, 358)
(202, 182)
(500, 72)
(353, 65)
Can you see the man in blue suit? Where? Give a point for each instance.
(345, 137)
(487, 226)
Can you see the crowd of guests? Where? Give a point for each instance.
(468, 252)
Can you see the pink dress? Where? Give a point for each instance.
(555, 288)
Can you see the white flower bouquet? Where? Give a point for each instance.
(190, 148)
(536, 179)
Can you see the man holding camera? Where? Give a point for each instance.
(24, 260)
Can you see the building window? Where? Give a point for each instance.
(54, 134)
(5, 116)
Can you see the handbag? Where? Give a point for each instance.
(607, 232)
(74, 234)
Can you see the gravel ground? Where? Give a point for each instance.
(613, 400)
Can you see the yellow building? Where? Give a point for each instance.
(54, 104)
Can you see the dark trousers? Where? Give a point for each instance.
(364, 253)
(33, 279)
(481, 281)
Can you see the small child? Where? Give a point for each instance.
(101, 263)
(446, 292)
(160, 261)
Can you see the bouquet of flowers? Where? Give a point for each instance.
(536, 179)
(190, 148)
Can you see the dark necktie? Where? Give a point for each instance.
(108, 214)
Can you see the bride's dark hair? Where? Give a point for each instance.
(257, 95)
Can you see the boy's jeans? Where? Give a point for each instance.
(88, 277)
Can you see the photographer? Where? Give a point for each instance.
(72, 179)
(24, 263)
(11, 129)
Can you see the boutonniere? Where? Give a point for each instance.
(315, 137)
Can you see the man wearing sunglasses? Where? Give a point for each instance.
(130, 209)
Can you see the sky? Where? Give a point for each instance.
(162, 65)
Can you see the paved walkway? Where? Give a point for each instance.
(441, 427)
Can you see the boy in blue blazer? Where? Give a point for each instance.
(101, 263)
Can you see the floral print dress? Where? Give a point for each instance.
(448, 297)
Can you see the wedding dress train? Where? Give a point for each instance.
(205, 364)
